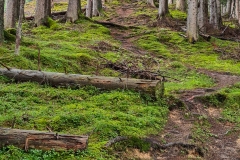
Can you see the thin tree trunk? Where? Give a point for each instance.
(215, 14)
(203, 15)
(151, 3)
(19, 29)
(228, 8)
(74, 10)
(180, 5)
(1, 22)
(42, 12)
(192, 27)
(163, 8)
(232, 13)
(12, 13)
(30, 139)
(170, 2)
(97, 7)
(219, 16)
(75, 80)
(237, 10)
(89, 8)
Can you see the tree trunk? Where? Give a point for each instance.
(1, 22)
(192, 27)
(42, 12)
(170, 2)
(237, 11)
(97, 7)
(215, 13)
(228, 8)
(180, 5)
(73, 11)
(89, 8)
(76, 80)
(219, 15)
(12, 13)
(232, 13)
(19, 29)
(30, 139)
(163, 8)
(151, 3)
(203, 15)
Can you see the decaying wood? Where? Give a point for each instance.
(76, 80)
(143, 74)
(30, 139)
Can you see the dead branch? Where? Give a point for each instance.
(115, 140)
(8, 68)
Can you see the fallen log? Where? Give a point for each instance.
(30, 139)
(76, 80)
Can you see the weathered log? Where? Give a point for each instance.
(76, 80)
(30, 139)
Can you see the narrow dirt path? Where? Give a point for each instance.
(219, 145)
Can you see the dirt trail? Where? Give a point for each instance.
(219, 145)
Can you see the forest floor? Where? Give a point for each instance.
(202, 86)
(182, 122)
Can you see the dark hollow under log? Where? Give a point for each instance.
(30, 139)
(54, 79)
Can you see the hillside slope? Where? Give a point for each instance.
(197, 119)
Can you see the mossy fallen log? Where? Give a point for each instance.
(153, 87)
(30, 139)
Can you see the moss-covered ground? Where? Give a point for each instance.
(103, 115)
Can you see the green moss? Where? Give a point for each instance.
(52, 24)
(178, 14)
(12, 31)
(86, 110)
(132, 142)
(60, 6)
(9, 37)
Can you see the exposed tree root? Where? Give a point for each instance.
(157, 146)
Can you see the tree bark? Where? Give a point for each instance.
(97, 7)
(43, 11)
(19, 29)
(89, 8)
(180, 5)
(12, 13)
(215, 13)
(228, 8)
(151, 3)
(75, 80)
(30, 139)
(237, 11)
(203, 15)
(192, 27)
(1, 22)
(73, 11)
(170, 2)
(163, 8)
